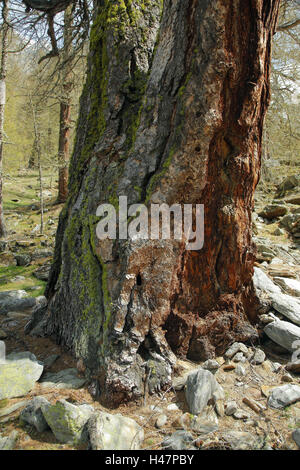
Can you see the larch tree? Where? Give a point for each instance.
(172, 112)
(3, 72)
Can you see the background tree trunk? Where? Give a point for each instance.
(172, 111)
(3, 71)
(65, 109)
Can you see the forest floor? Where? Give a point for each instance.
(22, 214)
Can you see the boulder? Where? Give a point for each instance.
(68, 421)
(273, 211)
(33, 415)
(201, 387)
(15, 300)
(18, 374)
(263, 283)
(287, 305)
(290, 286)
(285, 395)
(283, 333)
(67, 378)
(114, 432)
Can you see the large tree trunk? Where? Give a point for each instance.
(3, 70)
(173, 112)
(65, 109)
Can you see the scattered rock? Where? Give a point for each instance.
(235, 348)
(287, 306)
(33, 415)
(259, 357)
(239, 357)
(273, 211)
(240, 370)
(13, 408)
(67, 378)
(49, 361)
(68, 421)
(239, 440)
(18, 374)
(283, 333)
(200, 388)
(23, 259)
(161, 421)
(206, 422)
(230, 408)
(211, 364)
(241, 414)
(262, 282)
(15, 300)
(290, 286)
(179, 440)
(9, 442)
(285, 395)
(114, 432)
(172, 407)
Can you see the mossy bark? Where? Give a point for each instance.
(172, 111)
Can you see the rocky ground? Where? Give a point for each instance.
(247, 399)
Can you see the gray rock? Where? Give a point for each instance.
(259, 357)
(239, 357)
(200, 388)
(272, 211)
(263, 283)
(239, 440)
(67, 421)
(285, 395)
(179, 440)
(114, 432)
(172, 407)
(283, 333)
(241, 414)
(290, 286)
(240, 370)
(296, 436)
(49, 361)
(235, 348)
(206, 422)
(161, 421)
(15, 300)
(67, 378)
(9, 442)
(13, 408)
(33, 415)
(230, 408)
(18, 374)
(22, 259)
(211, 364)
(287, 305)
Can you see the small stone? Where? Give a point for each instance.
(33, 415)
(285, 395)
(161, 421)
(206, 422)
(179, 440)
(211, 365)
(259, 357)
(241, 414)
(230, 408)
(8, 443)
(240, 370)
(239, 357)
(67, 378)
(219, 407)
(200, 387)
(234, 349)
(172, 407)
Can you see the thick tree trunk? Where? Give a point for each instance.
(173, 112)
(65, 109)
(3, 70)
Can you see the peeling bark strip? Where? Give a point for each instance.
(172, 111)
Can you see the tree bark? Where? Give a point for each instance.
(172, 111)
(65, 109)
(3, 71)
